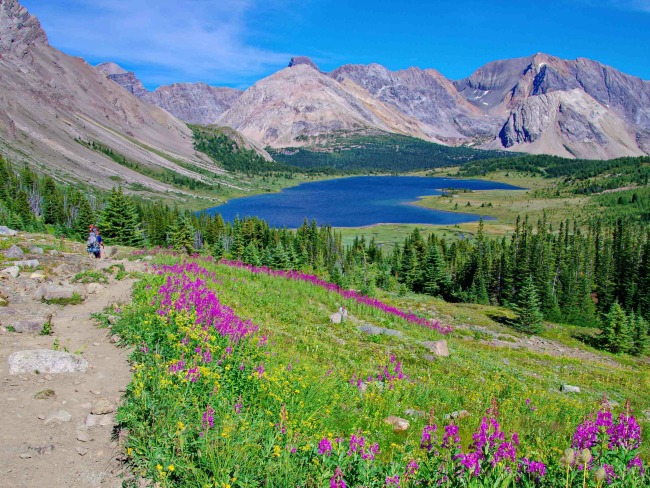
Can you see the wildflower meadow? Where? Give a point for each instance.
(241, 381)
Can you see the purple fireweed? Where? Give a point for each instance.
(426, 441)
(636, 463)
(534, 469)
(208, 418)
(392, 480)
(470, 462)
(625, 434)
(324, 447)
(337, 480)
(348, 294)
(356, 444)
(450, 439)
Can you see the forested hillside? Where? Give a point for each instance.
(383, 153)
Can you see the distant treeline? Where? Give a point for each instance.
(385, 153)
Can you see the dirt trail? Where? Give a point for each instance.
(55, 442)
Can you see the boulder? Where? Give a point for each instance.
(336, 318)
(36, 250)
(92, 288)
(27, 263)
(6, 231)
(46, 361)
(12, 271)
(14, 252)
(438, 348)
(33, 325)
(54, 292)
(569, 389)
(399, 424)
(373, 330)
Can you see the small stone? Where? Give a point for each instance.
(506, 361)
(112, 319)
(438, 348)
(36, 250)
(48, 377)
(399, 424)
(29, 263)
(12, 271)
(372, 330)
(335, 318)
(95, 392)
(14, 252)
(115, 338)
(460, 414)
(570, 389)
(37, 275)
(102, 406)
(84, 437)
(41, 417)
(58, 416)
(6, 231)
(25, 456)
(32, 325)
(82, 451)
(93, 288)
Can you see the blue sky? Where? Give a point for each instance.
(237, 42)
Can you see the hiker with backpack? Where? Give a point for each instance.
(92, 244)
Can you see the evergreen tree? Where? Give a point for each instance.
(529, 315)
(639, 329)
(120, 223)
(251, 255)
(182, 236)
(436, 280)
(616, 335)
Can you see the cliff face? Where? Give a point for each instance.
(195, 103)
(425, 95)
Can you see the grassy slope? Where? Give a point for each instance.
(295, 318)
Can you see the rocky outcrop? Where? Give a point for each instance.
(298, 60)
(567, 123)
(19, 31)
(425, 95)
(195, 103)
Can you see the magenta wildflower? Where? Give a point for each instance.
(324, 447)
(208, 418)
(626, 433)
(356, 444)
(534, 469)
(392, 480)
(636, 463)
(426, 441)
(470, 462)
(451, 438)
(337, 480)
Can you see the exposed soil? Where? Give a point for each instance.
(48, 437)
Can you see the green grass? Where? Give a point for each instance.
(89, 276)
(305, 387)
(75, 299)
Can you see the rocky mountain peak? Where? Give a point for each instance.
(111, 68)
(297, 60)
(18, 29)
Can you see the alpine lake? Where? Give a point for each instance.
(357, 201)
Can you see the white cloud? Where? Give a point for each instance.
(191, 40)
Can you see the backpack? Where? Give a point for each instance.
(91, 243)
